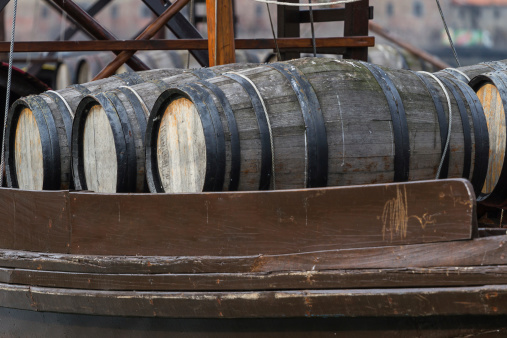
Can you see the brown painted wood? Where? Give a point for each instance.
(402, 302)
(220, 21)
(147, 34)
(279, 222)
(357, 15)
(85, 20)
(289, 280)
(36, 221)
(116, 46)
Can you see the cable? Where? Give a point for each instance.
(8, 94)
(313, 30)
(448, 34)
(279, 56)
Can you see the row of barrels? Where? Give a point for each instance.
(297, 124)
(83, 68)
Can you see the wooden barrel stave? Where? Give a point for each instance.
(134, 102)
(331, 82)
(492, 93)
(472, 70)
(58, 107)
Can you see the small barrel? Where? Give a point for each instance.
(162, 58)
(312, 123)
(118, 119)
(467, 73)
(491, 90)
(39, 132)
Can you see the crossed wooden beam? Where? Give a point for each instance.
(220, 46)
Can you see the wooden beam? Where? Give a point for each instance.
(202, 44)
(147, 34)
(221, 46)
(357, 15)
(94, 28)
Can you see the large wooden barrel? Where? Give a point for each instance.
(39, 131)
(467, 73)
(311, 123)
(491, 90)
(118, 119)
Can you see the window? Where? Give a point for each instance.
(497, 13)
(145, 12)
(114, 12)
(418, 9)
(44, 12)
(390, 9)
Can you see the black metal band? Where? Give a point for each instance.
(211, 181)
(233, 131)
(55, 179)
(77, 139)
(467, 137)
(455, 74)
(160, 84)
(64, 112)
(203, 73)
(498, 196)
(481, 136)
(316, 136)
(399, 120)
(127, 180)
(82, 89)
(265, 137)
(138, 107)
(130, 79)
(219, 134)
(442, 122)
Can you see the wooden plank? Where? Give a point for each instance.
(77, 46)
(357, 15)
(220, 32)
(485, 300)
(34, 221)
(288, 27)
(289, 280)
(47, 324)
(275, 222)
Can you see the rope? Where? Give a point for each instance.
(64, 101)
(305, 5)
(278, 55)
(460, 72)
(313, 30)
(269, 125)
(8, 94)
(450, 122)
(448, 34)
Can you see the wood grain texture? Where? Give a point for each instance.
(220, 22)
(35, 221)
(181, 150)
(279, 222)
(402, 302)
(28, 152)
(495, 116)
(99, 153)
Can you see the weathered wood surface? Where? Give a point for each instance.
(399, 302)
(130, 107)
(54, 112)
(473, 70)
(332, 124)
(28, 155)
(280, 222)
(238, 224)
(455, 256)
(46, 324)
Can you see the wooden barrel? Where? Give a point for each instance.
(118, 119)
(311, 123)
(162, 58)
(39, 132)
(491, 90)
(467, 73)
